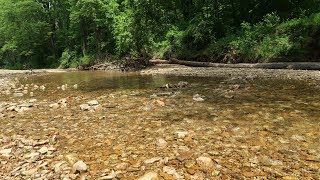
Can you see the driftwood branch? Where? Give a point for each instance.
(278, 65)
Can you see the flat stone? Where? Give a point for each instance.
(54, 105)
(18, 94)
(93, 103)
(5, 151)
(85, 107)
(122, 166)
(149, 176)
(152, 160)
(197, 98)
(43, 150)
(112, 175)
(26, 105)
(39, 143)
(182, 134)
(161, 143)
(32, 155)
(172, 171)
(29, 172)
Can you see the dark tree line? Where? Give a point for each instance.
(49, 33)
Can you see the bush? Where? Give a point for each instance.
(68, 59)
(271, 40)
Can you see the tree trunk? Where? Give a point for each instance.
(84, 36)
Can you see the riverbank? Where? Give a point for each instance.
(181, 70)
(7, 72)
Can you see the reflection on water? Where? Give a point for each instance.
(259, 125)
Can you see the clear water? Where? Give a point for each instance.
(262, 126)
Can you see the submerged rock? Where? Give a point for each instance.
(5, 151)
(152, 160)
(90, 106)
(93, 103)
(149, 176)
(161, 143)
(197, 98)
(79, 167)
(205, 163)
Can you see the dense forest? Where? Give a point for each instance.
(66, 33)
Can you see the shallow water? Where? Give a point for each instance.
(249, 127)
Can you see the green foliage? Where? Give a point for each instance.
(122, 34)
(68, 59)
(85, 60)
(270, 39)
(72, 32)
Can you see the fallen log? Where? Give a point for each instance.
(276, 65)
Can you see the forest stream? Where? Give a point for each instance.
(114, 125)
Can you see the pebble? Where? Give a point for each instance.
(54, 106)
(122, 166)
(85, 107)
(5, 151)
(197, 98)
(152, 160)
(161, 143)
(79, 167)
(149, 176)
(112, 175)
(172, 171)
(93, 103)
(29, 172)
(43, 150)
(182, 134)
(205, 163)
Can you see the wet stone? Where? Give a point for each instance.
(79, 167)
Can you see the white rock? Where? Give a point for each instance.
(172, 171)
(149, 176)
(298, 138)
(152, 160)
(54, 105)
(93, 103)
(85, 107)
(122, 166)
(32, 155)
(5, 151)
(29, 172)
(79, 166)
(17, 94)
(197, 98)
(182, 134)
(75, 86)
(205, 163)
(161, 143)
(32, 100)
(43, 150)
(112, 175)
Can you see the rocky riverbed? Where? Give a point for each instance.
(94, 125)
